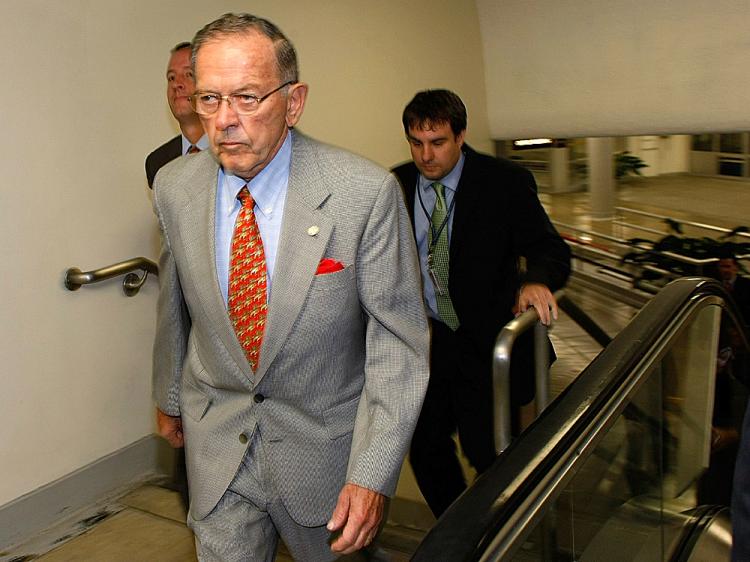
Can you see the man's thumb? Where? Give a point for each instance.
(339, 513)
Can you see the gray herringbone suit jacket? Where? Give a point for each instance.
(343, 366)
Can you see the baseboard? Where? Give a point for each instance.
(149, 457)
(146, 459)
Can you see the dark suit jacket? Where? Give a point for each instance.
(741, 295)
(165, 153)
(497, 220)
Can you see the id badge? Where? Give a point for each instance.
(433, 276)
(436, 283)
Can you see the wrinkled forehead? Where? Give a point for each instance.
(235, 53)
(251, 42)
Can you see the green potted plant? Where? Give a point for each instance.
(627, 165)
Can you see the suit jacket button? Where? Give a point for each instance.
(258, 398)
(243, 438)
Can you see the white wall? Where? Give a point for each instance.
(75, 365)
(675, 154)
(666, 154)
(82, 104)
(648, 149)
(608, 67)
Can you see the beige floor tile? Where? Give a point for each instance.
(129, 536)
(156, 500)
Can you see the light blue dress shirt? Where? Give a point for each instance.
(268, 190)
(202, 143)
(422, 225)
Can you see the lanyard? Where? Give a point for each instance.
(435, 234)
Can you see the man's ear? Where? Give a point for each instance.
(460, 138)
(295, 103)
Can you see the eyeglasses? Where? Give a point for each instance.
(207, 103)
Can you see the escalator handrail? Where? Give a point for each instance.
(471, 525)
(700, 520)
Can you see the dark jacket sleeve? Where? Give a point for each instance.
(546, 254)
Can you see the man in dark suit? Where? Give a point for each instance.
(741, 496)
(482, 214)
(739, 287)
(180, 85)
(736, 285)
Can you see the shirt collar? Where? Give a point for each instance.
(202, 143)
(450, 181)
(266, 187)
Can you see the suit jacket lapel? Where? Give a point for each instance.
(199, 237)
(305, 232)
(175, 148)
(467, 198)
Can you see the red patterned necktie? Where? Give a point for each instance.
(247, 280)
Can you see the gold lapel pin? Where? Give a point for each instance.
(313, 230)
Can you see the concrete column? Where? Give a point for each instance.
(601, 177)
(559, 170)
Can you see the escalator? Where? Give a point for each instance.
(610, 470)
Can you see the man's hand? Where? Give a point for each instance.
(541, 298)
(357, 515)
(170, 427)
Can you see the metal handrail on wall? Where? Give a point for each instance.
(606, 253)
(700, 225)
(689, 260)
(75, 278)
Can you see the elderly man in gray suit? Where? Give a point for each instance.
(291, 339)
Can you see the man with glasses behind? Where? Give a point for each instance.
(291, 340)
(180, 86)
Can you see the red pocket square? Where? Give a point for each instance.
(328, 265)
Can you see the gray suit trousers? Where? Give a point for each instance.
(248, 520)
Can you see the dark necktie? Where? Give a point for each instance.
(438, 258)
(246, 295)
(193, 149)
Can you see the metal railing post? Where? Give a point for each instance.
(501, 388)
(501, 371)
(541, 367)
